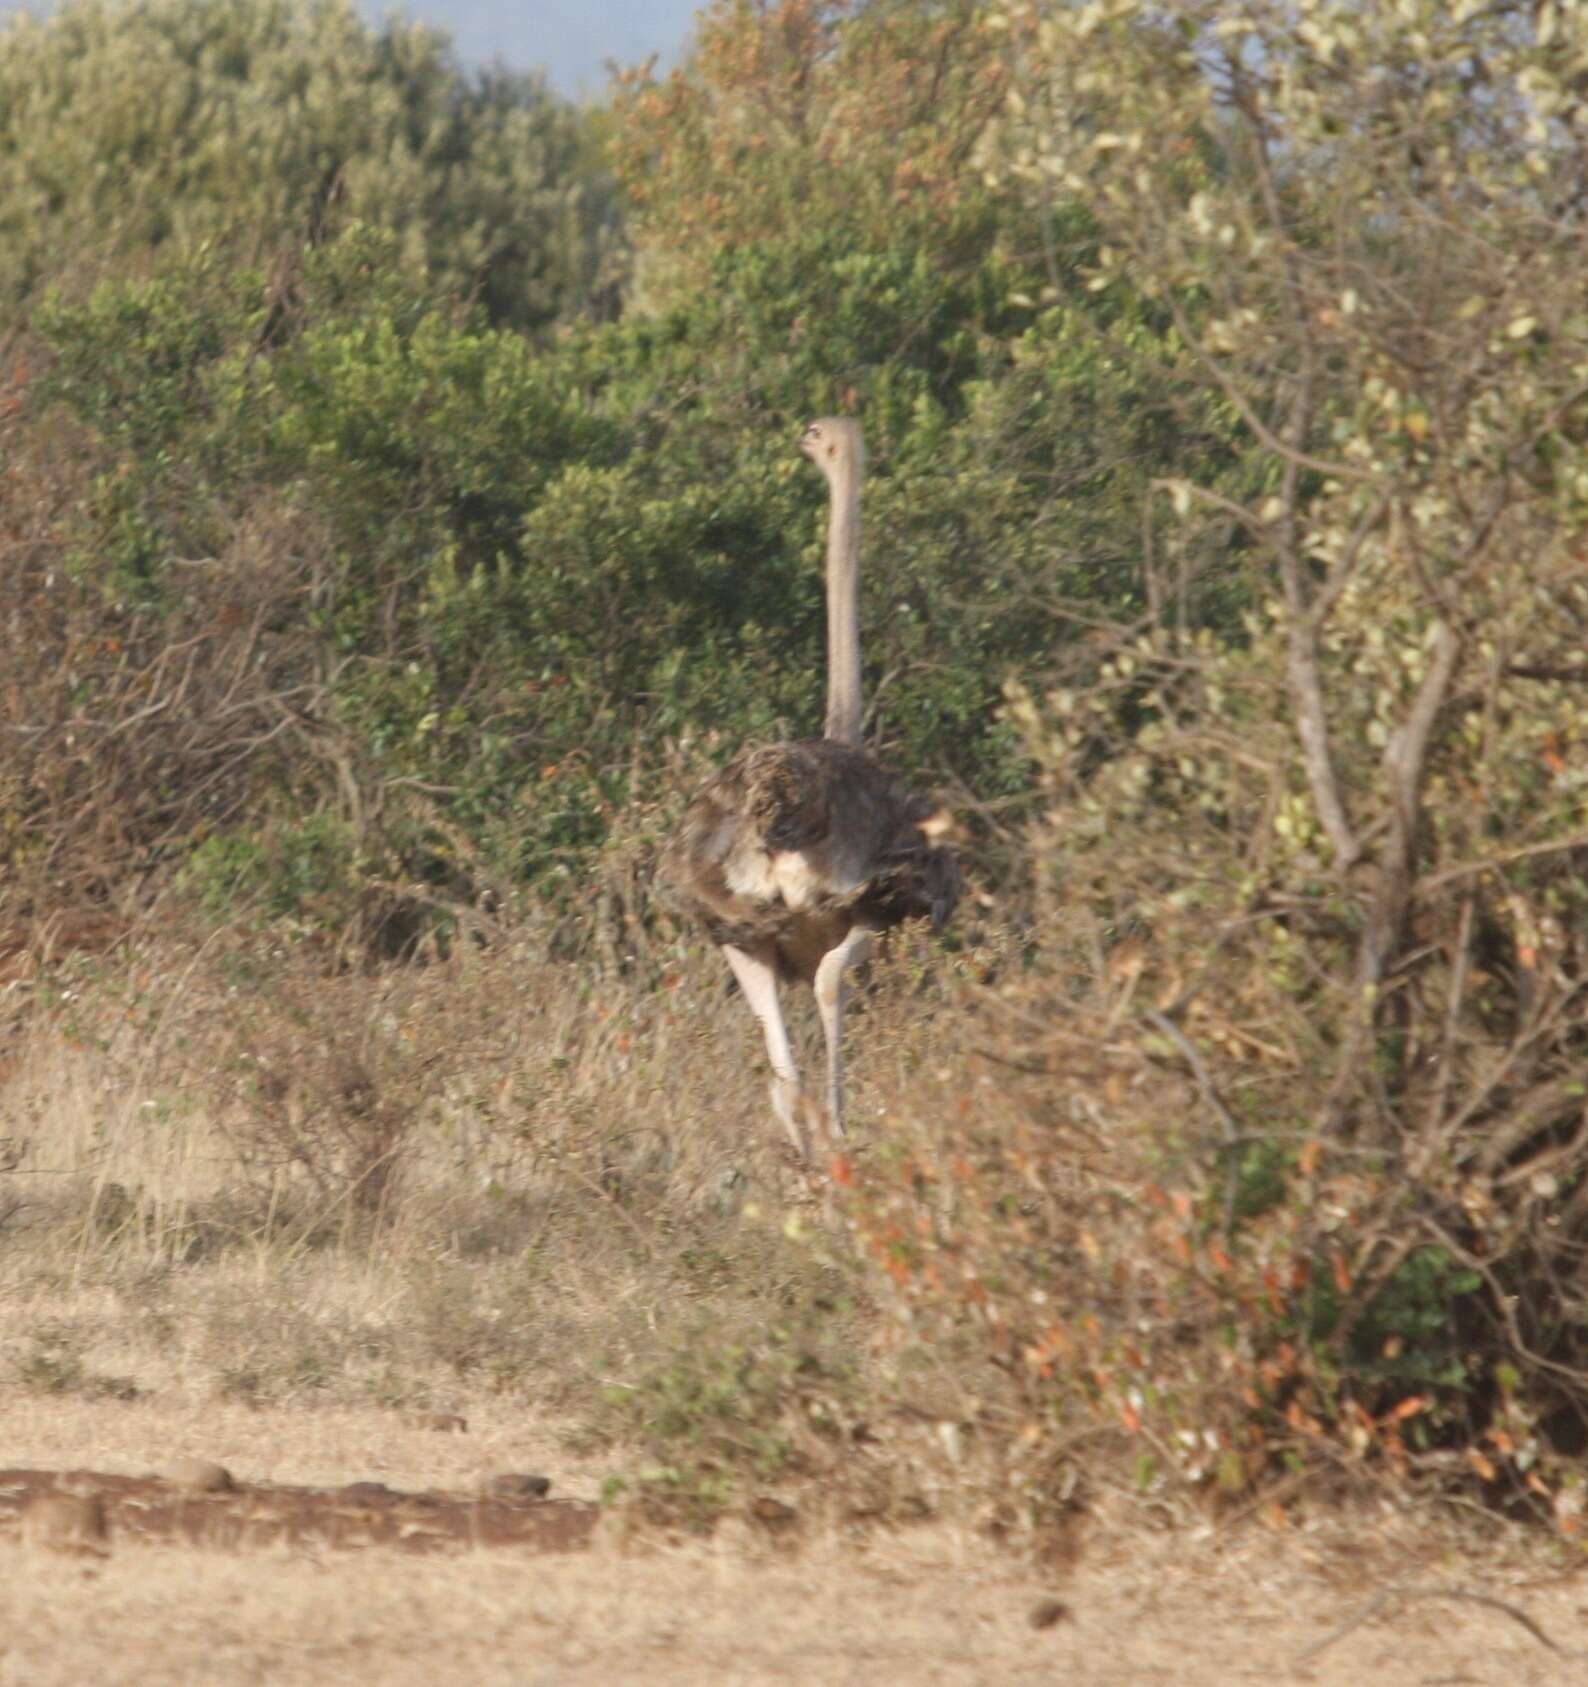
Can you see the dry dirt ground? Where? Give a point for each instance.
(1386, 1598)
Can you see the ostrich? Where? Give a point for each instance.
(796, 855)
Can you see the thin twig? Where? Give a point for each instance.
(1472, 1595)
(1344, 566)
(1264, 434)
(1041, 1070)
(1198, 1070)
(1545, 671)
(1234, 1140)
(1468, 869)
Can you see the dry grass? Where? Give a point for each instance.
(691, 1615)
(586, 1201)
(235, 1177)
(924, 1606)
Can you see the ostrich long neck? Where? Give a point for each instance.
(843, 603)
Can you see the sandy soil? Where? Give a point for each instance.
(916, 1611)
(929, 1605)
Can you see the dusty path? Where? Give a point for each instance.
(118, 1511)
(910, 1611)
(1192, 1608)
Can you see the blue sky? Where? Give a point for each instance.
(569, 39)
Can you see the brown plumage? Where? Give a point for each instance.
(853, 829)
(795, 855)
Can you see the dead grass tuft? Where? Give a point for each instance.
(256, 1178)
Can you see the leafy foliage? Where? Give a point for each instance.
(130, 131)
(1324, 864)
(1222, 372)
(856, 121)
(720, 1415)
(529, 559)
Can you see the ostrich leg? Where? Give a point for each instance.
(756, 971)
(832, 996)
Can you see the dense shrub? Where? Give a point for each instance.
(1224, 565)
(507, 566)
(1298, 1177)
(128, 131)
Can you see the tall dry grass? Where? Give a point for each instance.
(237, 1173)
(1041, 1282)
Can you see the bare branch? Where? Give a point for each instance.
(1472, 1596)
(1264, 435)
(1507, 858)
(1305, 685)
(1406, 754)
(1547, 671)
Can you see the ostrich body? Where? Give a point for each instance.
(796, 855)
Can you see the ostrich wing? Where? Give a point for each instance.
(806, 832)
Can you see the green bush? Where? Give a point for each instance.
(500, 566)
(131, 131)
(722, 1417)
(1297, 1182)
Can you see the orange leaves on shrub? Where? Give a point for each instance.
(1302, 1420)
(1054, 1343)
(868, 117)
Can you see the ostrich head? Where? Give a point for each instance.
(834, 442)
